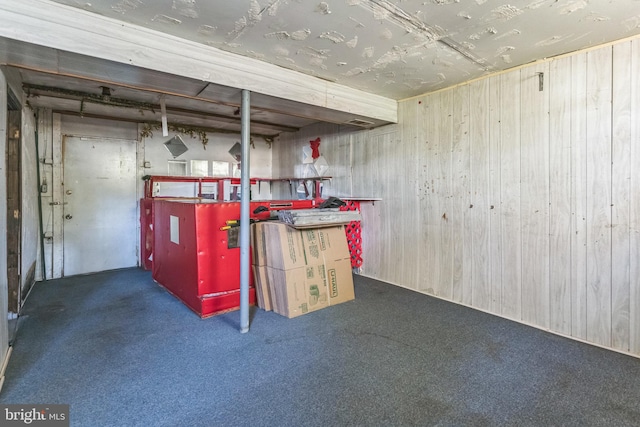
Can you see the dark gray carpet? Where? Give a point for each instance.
(123, 352)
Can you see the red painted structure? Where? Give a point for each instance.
(146, 204)
(200, 267)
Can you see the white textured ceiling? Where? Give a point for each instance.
(396, 49)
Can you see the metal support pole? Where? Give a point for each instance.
(245, 187)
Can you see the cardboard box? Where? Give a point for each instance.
(325, 244)
(263, 294)
(258, 244)
(339, 280)
(275, 290)
(304, 271)
(299, 290)
(259, 299)
(284, 247)
(306, 289)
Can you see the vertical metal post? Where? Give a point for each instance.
(245, 187)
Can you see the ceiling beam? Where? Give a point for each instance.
(111, 82)
(208, 129)
(59, 93)
(57, 26)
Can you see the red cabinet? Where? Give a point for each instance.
(193, 259)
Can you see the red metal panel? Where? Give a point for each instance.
(146, 220)
(200, 269)
(175, 264)
(218, 266)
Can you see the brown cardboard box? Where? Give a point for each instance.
(306, 270)
(332, 283)
(327, 243)
(272, 290)
(299, 290)
(258, 244)
(258, 259)
(339, 281)
(284, 247)
(263, 293)
(256, 283)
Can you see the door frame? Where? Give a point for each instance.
(58, 243)
(51, 134)
(14, 203)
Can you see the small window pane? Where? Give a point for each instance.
(177, 167)
(199, 168)
(220, 168)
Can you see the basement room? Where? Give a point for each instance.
(320, 213)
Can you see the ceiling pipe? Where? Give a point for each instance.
(60, 93)
(152, 90)
(245, 191)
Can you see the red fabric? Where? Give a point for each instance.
(315, 148)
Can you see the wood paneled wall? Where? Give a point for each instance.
(4, 136)
(517, 194)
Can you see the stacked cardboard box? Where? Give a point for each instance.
(300, 271)
(259, 258)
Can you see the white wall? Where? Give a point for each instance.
(4, 332)
(85, 126)
(30, 223)
(216, 149)
(515, 201)
(151, 151)
(335, 147)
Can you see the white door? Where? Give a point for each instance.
(100, 221)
